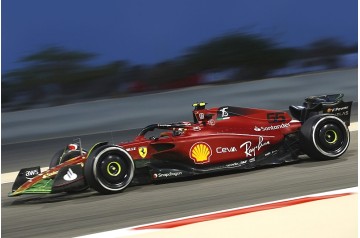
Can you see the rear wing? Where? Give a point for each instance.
(324, 104)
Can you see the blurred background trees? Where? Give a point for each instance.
(55, 75)
(250, 53)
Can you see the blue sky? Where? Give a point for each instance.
(149, 31)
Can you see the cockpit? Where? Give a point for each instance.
(200, 116)
(172, 129)
(200, 113)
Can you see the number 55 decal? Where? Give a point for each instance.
(276, 117)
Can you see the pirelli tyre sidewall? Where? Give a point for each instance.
(324, 137)
(109, 169)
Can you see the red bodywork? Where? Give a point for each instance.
(219, 139)
(219, 135)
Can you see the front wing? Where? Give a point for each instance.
(54, 180)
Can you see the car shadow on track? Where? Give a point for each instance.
(51, 198)
(304, 162)
(62, 197)
(59, 197)
(310, 162)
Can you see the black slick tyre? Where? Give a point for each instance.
(63, 155)
(324, 137)
(109, 169)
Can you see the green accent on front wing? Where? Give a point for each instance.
(42, 187)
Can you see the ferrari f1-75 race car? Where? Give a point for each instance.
(218, 139)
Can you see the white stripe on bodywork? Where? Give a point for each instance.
(236, 134)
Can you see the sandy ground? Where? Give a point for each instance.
(336, 217)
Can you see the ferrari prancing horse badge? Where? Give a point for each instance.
(142, 151)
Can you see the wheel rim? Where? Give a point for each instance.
(113, 170)
(332, 138)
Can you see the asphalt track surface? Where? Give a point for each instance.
(71, 215)
(62, 215)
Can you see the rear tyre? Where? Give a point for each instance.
(109, 169)
(324, 137)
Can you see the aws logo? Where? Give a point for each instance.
(200, 152)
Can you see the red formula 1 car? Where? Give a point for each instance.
(224, 138)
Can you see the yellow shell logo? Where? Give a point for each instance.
(200, 152)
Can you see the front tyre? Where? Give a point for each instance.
(324, 137)
(109, 169)
(62, 156)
